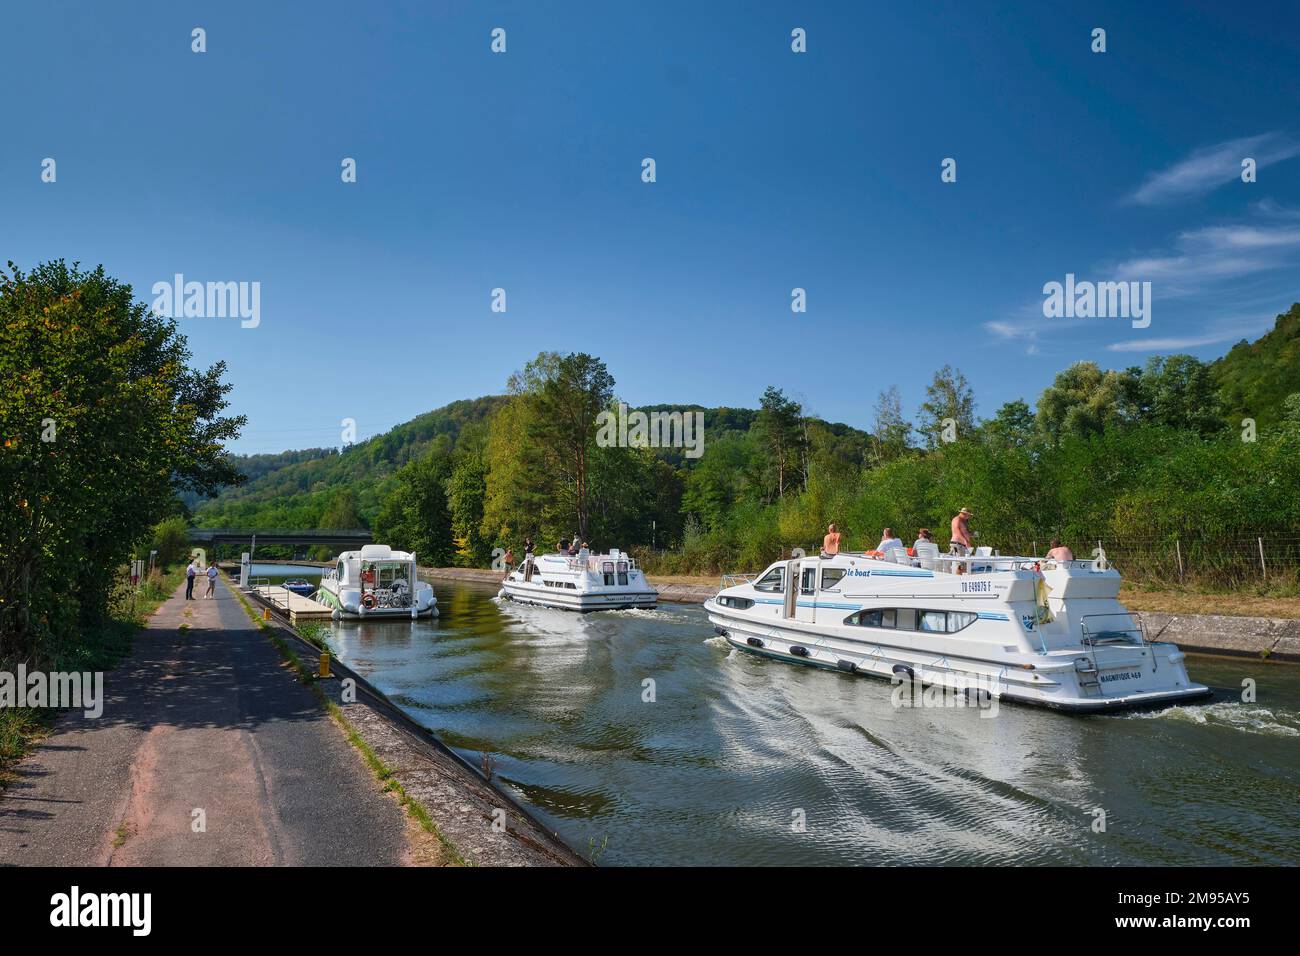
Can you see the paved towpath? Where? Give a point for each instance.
(200, 723)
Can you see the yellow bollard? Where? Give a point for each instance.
(266, 614)
(324, 665)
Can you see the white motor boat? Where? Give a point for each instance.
(586, 582)
(376, 582)
(1021, 629)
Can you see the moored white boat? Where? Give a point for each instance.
(586, 582)
(376, 582)
(1022, 629)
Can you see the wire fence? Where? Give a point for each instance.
(1262, 559)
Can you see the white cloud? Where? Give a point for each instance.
(1214, 253)
(1209, 167)
(1218, 332)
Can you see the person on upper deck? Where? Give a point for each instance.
(1060, 552)
(922, 537)
(889, 541)
(960, 542)
(831, 543)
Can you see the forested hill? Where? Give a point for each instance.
(1255, 378)
(302, 490)
(323, 487)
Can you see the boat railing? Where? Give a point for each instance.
(736, 578)
(989, 563)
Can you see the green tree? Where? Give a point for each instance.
(171, 539)
(414, 515)
(103, 424)
(891, 433)
(1012, 427)
(1179, 391)
(949, 399)
(1083, 400)
(540, 456)
(466, 496)
(780, 430)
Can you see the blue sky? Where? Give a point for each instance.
(775, 170)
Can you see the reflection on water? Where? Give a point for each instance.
(719, 759)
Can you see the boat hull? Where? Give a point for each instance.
(341, 611)
(584, 602)
(1156, 670)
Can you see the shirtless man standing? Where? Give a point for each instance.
(831, 543)
(961, 538)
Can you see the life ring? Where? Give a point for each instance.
(369, 602)
(875, 554)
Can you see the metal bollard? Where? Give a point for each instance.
(324, 666)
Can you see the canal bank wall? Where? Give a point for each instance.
(1264, 638)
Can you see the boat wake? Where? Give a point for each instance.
(1248, 718)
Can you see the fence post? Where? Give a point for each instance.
(1178, 549)
(1263, 570)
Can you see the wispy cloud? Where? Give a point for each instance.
(1209, 167)
(1218, 332)
(1214, 253)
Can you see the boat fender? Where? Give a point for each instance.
(849, 666)
(368, 602)
(978, 695)
(904, 669)
(798, 650)
(720, 631)
(754, 642)
(336, 615)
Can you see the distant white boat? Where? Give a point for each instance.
(376, 582)
(585, 582)
(1022, 629)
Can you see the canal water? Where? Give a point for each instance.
(727, 758)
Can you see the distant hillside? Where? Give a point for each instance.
(298, 491)
(1255, 377)
(296, 494)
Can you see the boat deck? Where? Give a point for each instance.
(298, 608)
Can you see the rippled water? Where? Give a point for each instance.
(735, 750)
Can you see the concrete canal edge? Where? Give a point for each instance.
(440, 790)
(1262, 638)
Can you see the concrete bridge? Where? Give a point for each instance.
(348, 537)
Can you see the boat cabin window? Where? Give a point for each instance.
(831, 578)
(773, 581)
(736, 602)
(622, 572)
(911, 619)
(340, 571)
(607, 572)
(808, 582)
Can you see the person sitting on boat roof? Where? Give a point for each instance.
(960, 544)
(563, 546)
(573, 546)
(831, 543)
(889, 541)
(923, 537)
(1059, 551)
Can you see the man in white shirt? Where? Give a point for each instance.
(889, 540)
